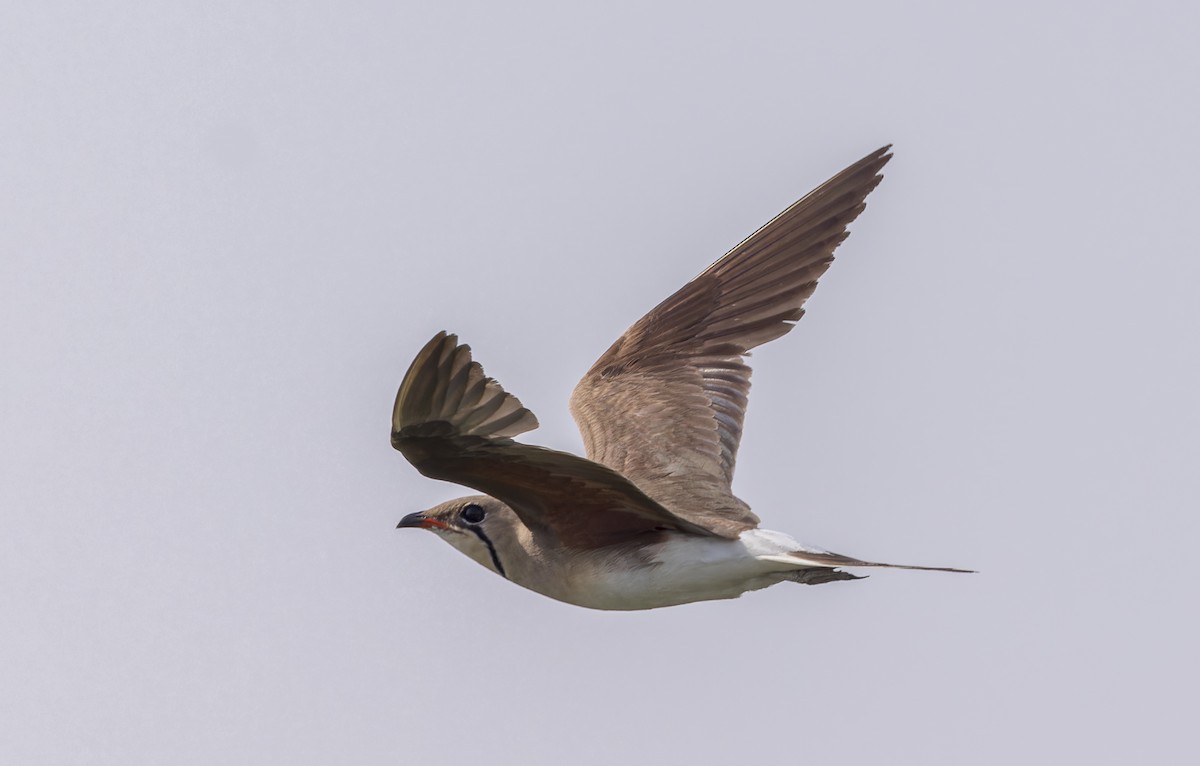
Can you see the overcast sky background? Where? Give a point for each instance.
(228, 227)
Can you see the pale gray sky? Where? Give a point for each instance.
(227, 228)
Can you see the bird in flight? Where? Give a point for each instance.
(648, 518)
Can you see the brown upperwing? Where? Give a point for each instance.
(664, 406)
(452, 422)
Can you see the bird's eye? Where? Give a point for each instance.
(472, 514)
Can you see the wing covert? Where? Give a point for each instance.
(454, 423)
(665, 404)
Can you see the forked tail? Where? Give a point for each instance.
(825, 559)
(816, 567)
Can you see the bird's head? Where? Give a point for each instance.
(480, 526)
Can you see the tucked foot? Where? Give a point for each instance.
(819, 575)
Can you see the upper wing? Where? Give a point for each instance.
(664, 405)
(453, 423)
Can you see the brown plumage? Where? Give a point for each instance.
(661, 411)
(664, 405)
(453, 423)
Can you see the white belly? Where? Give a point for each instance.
(682, 570)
